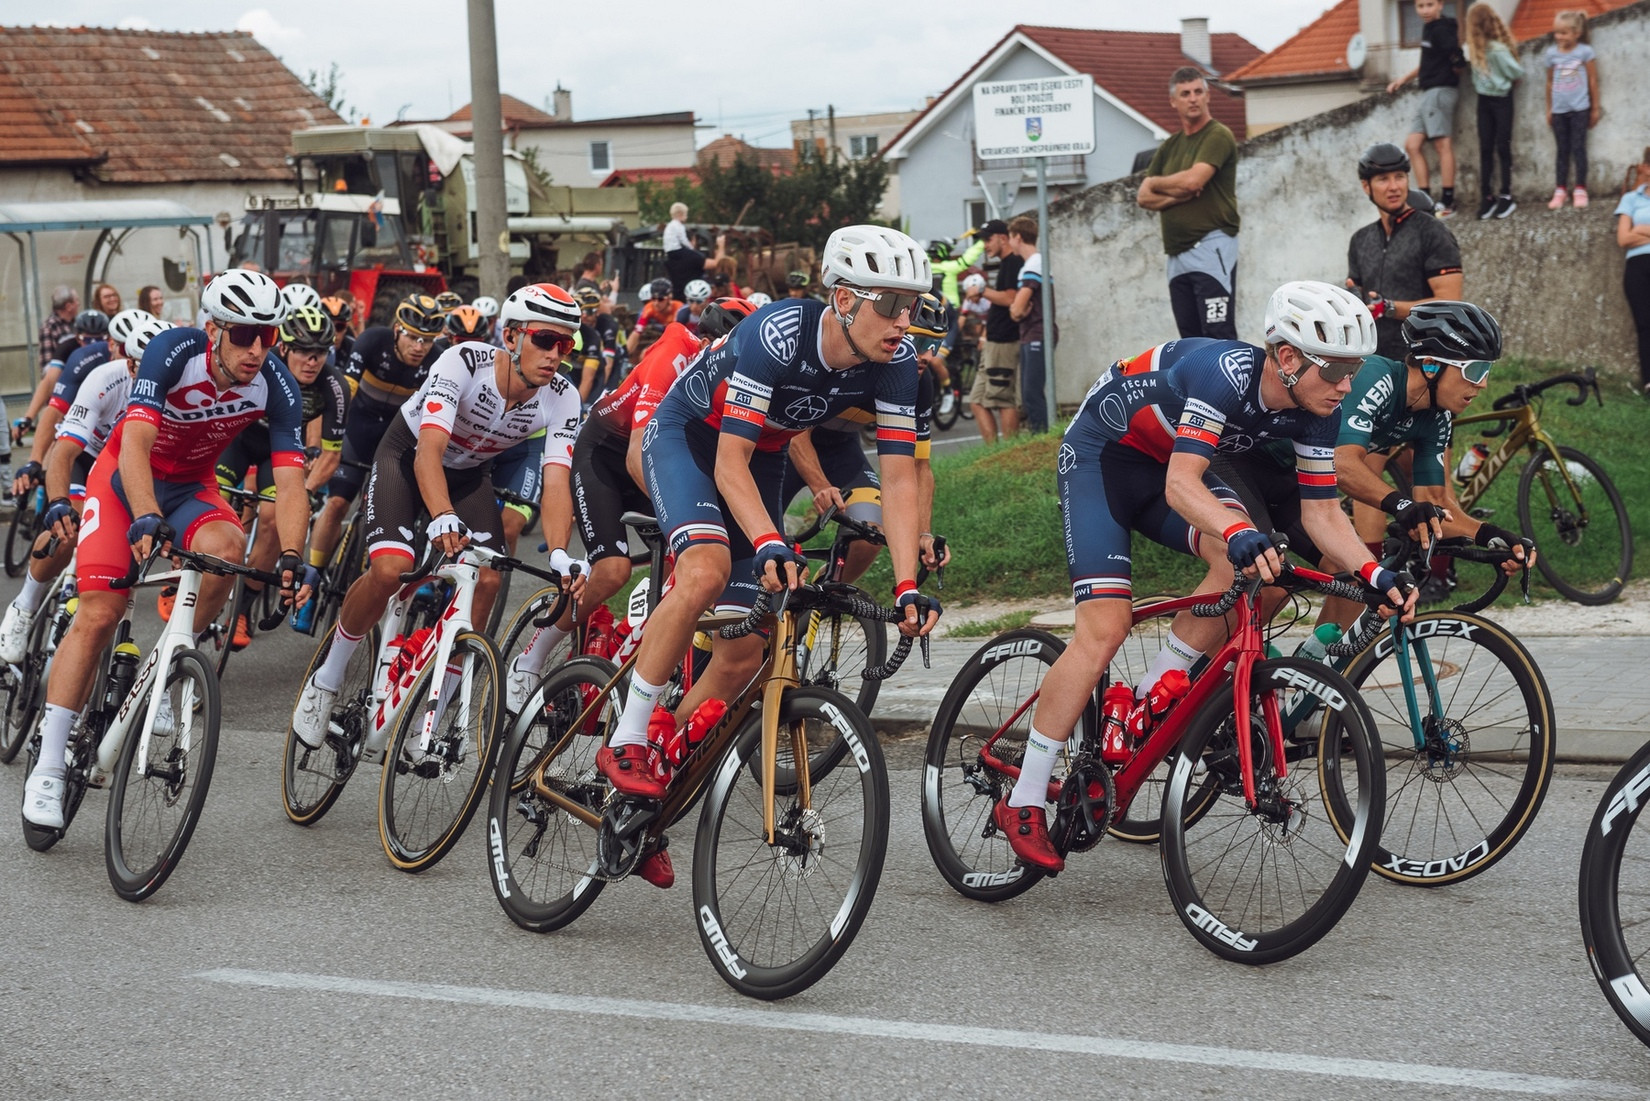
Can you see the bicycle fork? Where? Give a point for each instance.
(174, 639)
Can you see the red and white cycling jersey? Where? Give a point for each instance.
(461, 399)
(631, 406)
(98, 406)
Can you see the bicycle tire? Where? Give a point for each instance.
(313, 779)
(1613, 886)
(944, 421)
(1238, 908)
(765, 954)
(540, 858)
(495, 614)
(958, 790)
(179, 772)
(844, 647)
(217, 643)
(26, 693)
(520, 631)
(1456, 807)
(1587, 572)
(425, 802)
(39, 838)
(339, 575)
(21, 534)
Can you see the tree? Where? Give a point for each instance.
(804, 206)
(653, 199)
(327, 87)
(530, 158)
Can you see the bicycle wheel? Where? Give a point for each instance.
(541, 857)
(215, 644)
(338, 576)
(944, 421)
(521, 629)
(20, 535)
(1458, 801)
(25, 691)
(312, 779)
(842, 648)
(1258, 885)
(1583, 540)
(959, 789)
(74, 785)
(429, 792)
(1615, 895)
(775, 918)
(153, 807)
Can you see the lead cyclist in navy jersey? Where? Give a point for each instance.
(715, 452)
(1137, 457)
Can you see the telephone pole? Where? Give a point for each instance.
(487, 132)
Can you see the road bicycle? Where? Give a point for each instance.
(24, 684)
(28, 520)
(1615, 894)
(787, 855)
(429, 704)
(348, 559)
(158, 779)
(217, 642)
(1258, 866)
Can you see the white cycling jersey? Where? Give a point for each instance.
(98, 404)
(460, 398)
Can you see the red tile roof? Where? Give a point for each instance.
(1534, 18)
(520, 115)
(32, 133)
(726, 149)
(517, 113)
(1317, 48)
(159, 106)
(627, 177)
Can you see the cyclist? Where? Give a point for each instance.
(949, 268)
(81, 435)
(659, 311)
(462, 323)
(488, 307)
(153, 485)
(299, 295)
(599, 338)
(388, 366)
(796, 284)
(438, 455)
(714, 458)
(100, 339)
(304, 344)
(608, 479)
(697, 293)
(449, 301)
(1136, 457)
(339, 312)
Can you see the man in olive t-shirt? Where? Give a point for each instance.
(1192, 183)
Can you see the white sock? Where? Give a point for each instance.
(1032, 788)
(538, 651)
(331, 673)
(638, 709)
(1176, 654)
(33, 593)
(55, 727)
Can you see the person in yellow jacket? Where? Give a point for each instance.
(948, 269)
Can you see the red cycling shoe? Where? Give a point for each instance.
(656, 868)
(1027, 831)
(636, 770)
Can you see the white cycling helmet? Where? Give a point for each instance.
(541, 302)
(758, 299)
(974, 283)
(122, 324)
(875, 256)
(242, 297)
(697, 290)
(1320, 318)
(299, 295)
(488, 306)
(142, 333)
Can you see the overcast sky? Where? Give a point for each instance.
(744, 68)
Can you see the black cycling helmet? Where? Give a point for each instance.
(338, 309)
(308, 328)
(939, 250)
(588, 299)
(91, 323)
(1381, 157)
(659, 288)
(449, 300)
(929, 317)
(797, 279)
(723, 315)
(421, 315)
(1451, 330)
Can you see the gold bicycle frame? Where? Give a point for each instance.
(1524, 433)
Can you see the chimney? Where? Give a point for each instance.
(563, 111)
(1194, 41)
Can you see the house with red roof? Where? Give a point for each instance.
(1356, 47)
(941, 189)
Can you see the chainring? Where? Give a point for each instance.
(1085, 808)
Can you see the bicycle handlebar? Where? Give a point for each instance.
(831, 597)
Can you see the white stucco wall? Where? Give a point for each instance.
(566, 153)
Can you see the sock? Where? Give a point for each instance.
(538, 651)
(331, 673)
(33, 593)
(1449, 196)
(317, 559)
(638, 709)
(1031, 790)
(1176, 654)
(54, 740)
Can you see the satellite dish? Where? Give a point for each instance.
(1357, 52)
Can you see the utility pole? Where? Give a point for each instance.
(487, 132)
(830, 128)
(813, 146)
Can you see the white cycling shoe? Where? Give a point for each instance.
(14, 634)
(518, 686)
(314, 712)
(43, 802)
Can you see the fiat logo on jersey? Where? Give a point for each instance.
(197, 395)
(808, 408)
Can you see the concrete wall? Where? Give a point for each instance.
(1552, 278)
(565, 154)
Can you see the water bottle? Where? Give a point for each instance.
(1115, 706)
(1143, 719)
(600, 638)
(1470, 462)
(683, 742)
(1317, 644)
(122, 674)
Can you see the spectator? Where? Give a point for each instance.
(1633, 234)
(59, 324)
(995, 395)
(1495, 69)
(1192, 182)
(1572, 101)
(587, 273)
(683, 262)
(1441, 64)
(106, 298)
(1027, 311)
(150, 300)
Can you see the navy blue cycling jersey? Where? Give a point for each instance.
(81, 362)
(1201, 396)
(768, 382)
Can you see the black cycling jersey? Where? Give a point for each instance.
(383, 376)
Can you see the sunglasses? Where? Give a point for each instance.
(242, 336)
(889, 304)
(548, 340)
(1333, 373)
(419, 338)
(1475, 371)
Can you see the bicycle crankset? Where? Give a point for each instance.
(621, 839)
(1085, 808)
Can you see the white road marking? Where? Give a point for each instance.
(1419, 1074)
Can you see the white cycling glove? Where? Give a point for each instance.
(447, 523)
(563, 563)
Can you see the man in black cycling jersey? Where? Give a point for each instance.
(796, 285)
(599, 337)
(387, 366)
(343, 342)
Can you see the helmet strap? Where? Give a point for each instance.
(1289, 380)
(847, 321)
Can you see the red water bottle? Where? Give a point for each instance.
(1144, 719)
(678, 745)
(1114, 712)
(599, 637)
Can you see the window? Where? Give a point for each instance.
(600, 159)
(862, 145)
(976, 215)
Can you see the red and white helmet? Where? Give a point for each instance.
(541, 302)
